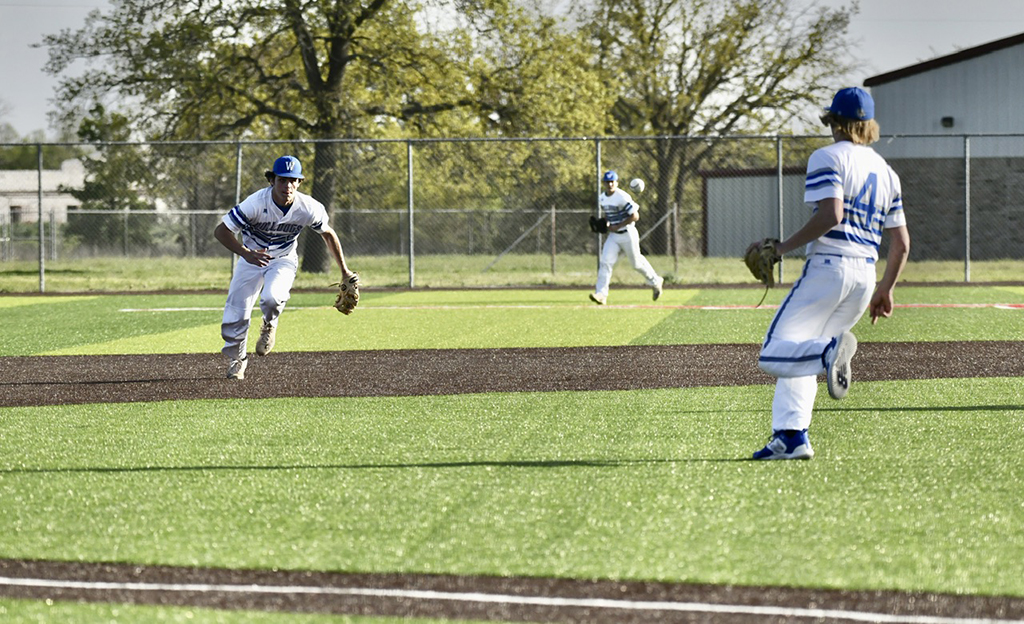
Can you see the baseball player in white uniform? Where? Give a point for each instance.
(622, 213)
(270, 221)
(854, 196)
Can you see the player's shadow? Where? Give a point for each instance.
(102, 382)
(950, 408)
(560, 463)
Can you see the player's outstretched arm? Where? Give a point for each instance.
(899, 249)
(334, 248)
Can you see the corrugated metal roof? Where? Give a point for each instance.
(943, 61)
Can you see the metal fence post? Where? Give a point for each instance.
(53, 234)
(42, 225)
(967, 208)
(238, 193)
(554, 249)
(412, 231)
(675, 238)
(597, 200)
(782, 212)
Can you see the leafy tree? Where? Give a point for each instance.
(700, 68)
(117, 178)
(23, 153)
(308, 70)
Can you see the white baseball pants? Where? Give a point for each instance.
(829, 298)
(272, 283)
(628, 242)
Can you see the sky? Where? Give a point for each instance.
(888, 35)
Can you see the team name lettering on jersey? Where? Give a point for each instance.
(264, 225)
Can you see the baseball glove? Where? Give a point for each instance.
(348, 294)
(598, 225)
(761, 258)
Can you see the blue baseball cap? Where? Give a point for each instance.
(853, 103)
(287, 167)
(610, 176)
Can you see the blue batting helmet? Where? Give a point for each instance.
(853, 103)
(288, 167)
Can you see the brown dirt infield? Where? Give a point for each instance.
(27, 381)
(62, 380)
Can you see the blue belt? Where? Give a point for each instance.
(870, 260)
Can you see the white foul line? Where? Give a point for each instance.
(591, 603)
(510, 306)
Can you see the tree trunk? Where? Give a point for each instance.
(315, 258)
(670, 156)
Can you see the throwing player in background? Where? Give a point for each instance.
(621, 212)
(270, 221)
(855, 196)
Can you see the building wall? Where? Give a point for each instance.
(19, 192)
(741, 208)
(935, 203)
(975, 94)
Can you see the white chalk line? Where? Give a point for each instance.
(1000, 306)
(477, 597)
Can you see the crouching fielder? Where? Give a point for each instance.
(854, 196)
(270, 221)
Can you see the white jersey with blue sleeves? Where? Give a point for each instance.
(618, 206)
(871, 195)
(265, 225)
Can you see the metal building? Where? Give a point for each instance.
(978, 90)
(953, 128)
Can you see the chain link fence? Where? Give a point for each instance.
(488, 202)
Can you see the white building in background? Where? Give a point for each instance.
(978, 90)
(19, 193)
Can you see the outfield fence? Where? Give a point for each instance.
(491, 198)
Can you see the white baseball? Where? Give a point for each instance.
(637, 185)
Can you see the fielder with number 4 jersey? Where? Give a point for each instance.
(855, 198)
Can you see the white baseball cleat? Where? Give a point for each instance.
(598, 299)
(837, 365)
(266, 342)
(658, 287)
(236, 369)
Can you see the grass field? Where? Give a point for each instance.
(915, 485)
(441, 271)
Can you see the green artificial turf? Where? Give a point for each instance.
(915, 486)
(190, 323)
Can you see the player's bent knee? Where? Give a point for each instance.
(273, 305)
(772, 368)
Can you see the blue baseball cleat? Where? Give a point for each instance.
(787, 444)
